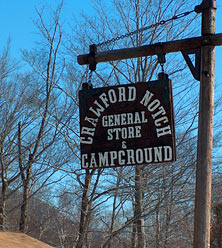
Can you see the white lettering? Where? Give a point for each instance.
(153, 105)
(89, 140)
(112, 96)
(93, 161)
(117, 120)
(84, 164)
(124, 133)
(146, 99)
(132, 93)
(110, 120)
(161, 111)
(121, 161)
(148, 156)
(137, 118)
(138, 133)
(97, 111)
(123, 119)
(122, 94)
(163, 131)
(104, 121)
(129, 118)
(92, 121)
(130, 157)
(110, 136)
(127, 157)
(130, 132)
(144, 120)
(158, 154)
(139, 156)
(168, 153)
(163, 119)
(104, 99)
(88, 131)
(103, 159)
(113, 156)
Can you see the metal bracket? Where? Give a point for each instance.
(161, 59)
(206, 4)
(86, 86)
(163, 76)
(195, 69)
(91, 58)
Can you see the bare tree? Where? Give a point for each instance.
(13, 97)
(46, 128)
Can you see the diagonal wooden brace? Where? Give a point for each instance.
(194, 68)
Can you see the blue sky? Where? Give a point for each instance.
(16, 23)
(16, 20)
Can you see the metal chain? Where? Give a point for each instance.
(162, 22)
(90, 78)
(120, 37)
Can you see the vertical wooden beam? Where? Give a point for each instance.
(202, 217)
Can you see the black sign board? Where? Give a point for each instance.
(129, 124)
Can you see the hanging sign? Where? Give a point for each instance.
(129, 124)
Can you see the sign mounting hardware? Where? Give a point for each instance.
(194, 68)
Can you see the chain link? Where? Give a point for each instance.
(90, 78)
(162, 22)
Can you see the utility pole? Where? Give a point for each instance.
(202, 216)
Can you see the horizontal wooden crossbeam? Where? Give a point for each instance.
(154, 49)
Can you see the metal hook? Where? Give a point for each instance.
(161, 60)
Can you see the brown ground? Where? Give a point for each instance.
(19, 240)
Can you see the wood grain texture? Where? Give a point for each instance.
(154, 49)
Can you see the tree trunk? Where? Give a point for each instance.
(139, 222)
(114, 206)
(3, 203)
(84, 211)
(26, 181)
(24, 211)
(24, 206)
(133, 238)
(3, 193)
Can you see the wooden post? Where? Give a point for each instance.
(205, 131)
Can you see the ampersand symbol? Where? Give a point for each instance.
(124, 146)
